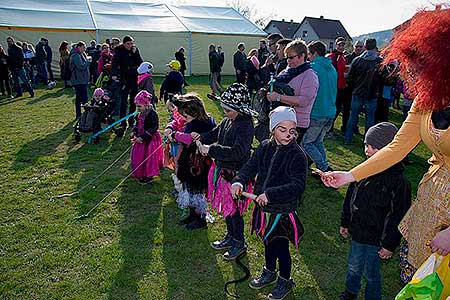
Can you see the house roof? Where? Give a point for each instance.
(287, 29)
(326, 28)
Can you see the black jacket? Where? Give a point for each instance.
(49, 53)
(350, 57)
(151, 123)
(214, 62)
(374, 207)
(281, 174)
(182, 59)
(15, 54)
(234, 142)
(364, 75)
(4, 60)
(263, 54)
(239, 59)
(125, 63)
(41, 54)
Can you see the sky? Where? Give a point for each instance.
(357, 16)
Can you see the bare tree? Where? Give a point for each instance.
(250, 11)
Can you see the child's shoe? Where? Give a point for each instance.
(224, 244)
(237, 248)
(267, 277)
(282, 289)
(198, 223)
(346, 295)
(188, 218)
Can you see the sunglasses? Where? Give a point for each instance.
(292, 57)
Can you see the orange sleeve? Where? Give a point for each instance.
(404, 142)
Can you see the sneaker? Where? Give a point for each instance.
(267, 277)
(224, 244)
(282, 289)
(346, 295)
(31, 94)
(238, 248)
(198, 223)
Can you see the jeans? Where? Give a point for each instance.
(42, 73)
(20, 73)
(364, 260)
(313, 141)
(343, 104)
(4, 82)
(370, 106)
(235, 226)
(278, 249)
(81, 97)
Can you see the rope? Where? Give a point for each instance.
(93, 180)
(117, 186)
(246, 276)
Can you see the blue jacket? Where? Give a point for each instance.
(325, 103)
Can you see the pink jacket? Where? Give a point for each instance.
(305, 86)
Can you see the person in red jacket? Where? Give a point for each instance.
(339, 62)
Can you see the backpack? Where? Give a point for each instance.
(88, 122)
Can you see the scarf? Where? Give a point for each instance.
(288, 74)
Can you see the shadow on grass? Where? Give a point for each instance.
(190, 263)
(49, 95)
(32, 151)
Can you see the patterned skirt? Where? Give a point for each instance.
(269, 226)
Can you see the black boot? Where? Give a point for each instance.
(189, 218)
(267, 277)
(198, 223)
(346, 295)
(283, 287)
(224, 244)
(237, 248)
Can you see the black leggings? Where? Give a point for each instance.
(279, 249)
(235, 226)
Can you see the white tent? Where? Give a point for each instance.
(159, 29)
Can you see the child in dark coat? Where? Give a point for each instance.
(372, 210)
(280, 165)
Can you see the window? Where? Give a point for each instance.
(305, 33)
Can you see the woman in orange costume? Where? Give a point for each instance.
(423, 49)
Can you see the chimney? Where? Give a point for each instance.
(282, 20)
(321, 17)
(292, 21)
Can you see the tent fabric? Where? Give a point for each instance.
(159, 29)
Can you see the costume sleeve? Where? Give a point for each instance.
(248, 171)
(184, 138)
(238, 150)
(150, 125)
(401, 202)
(295, 186)
(404, 142)
(345, 215)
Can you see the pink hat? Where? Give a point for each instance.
(143, 98)
(99, 92)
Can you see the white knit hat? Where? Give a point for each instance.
(145, 68)
(281, 114)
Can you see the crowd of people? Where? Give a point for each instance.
(288, 95)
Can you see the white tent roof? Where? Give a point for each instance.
(124, 15)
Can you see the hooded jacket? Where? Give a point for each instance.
(364, 75)
(374, 207)
(324, 105)
(281, 171)
(79, 66)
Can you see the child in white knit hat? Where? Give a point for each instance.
(280, 166)
(145, 80)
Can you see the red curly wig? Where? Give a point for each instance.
(422, 46)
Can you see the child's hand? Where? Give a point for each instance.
(133, 139)
(167, 132)
(139, 140)
(384, 253)
(236, 190)
(195, 136)
(343, 232)
(262, 200)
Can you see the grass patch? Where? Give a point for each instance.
(131, 247)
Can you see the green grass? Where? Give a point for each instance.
(131, 247)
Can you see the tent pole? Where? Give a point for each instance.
(190, 53)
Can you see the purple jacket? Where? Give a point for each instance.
(305, 86)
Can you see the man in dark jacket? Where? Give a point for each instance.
(364, 77)
(372, 210)
(282, 59)
(263, 52)
(48, 61)
(239, 59)
(15, 54)
(214, 70)
(41, 61)
(94, 51)
(179, 55)
(125, 62)
(269, 67)
(4, 74)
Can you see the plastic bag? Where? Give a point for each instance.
(430, 282)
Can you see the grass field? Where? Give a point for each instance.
(131, 247)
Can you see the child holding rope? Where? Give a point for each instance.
(147, 152)
(193, 167)
(280, 165)
(234, 137)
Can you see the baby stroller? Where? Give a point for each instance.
(95, 114)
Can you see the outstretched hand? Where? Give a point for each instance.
(337, 179)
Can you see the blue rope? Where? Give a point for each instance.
(110, 126)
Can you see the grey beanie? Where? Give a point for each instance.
(281, 114)
(381, 134)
